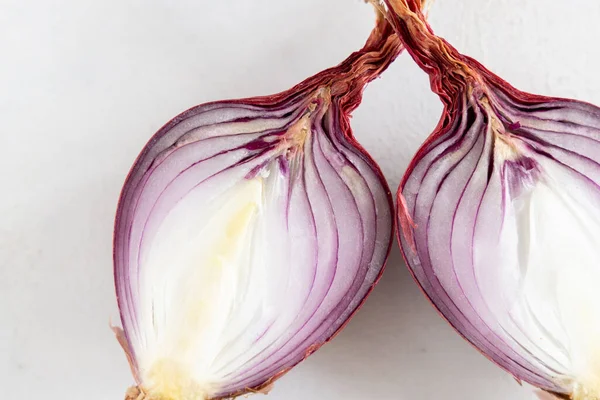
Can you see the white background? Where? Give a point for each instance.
(84, 83)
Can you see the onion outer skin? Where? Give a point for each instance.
(345, 83)
(462, 83)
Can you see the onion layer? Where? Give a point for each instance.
(248, 232)
(500, 217)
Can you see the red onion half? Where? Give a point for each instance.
(499, 217)
(248, 232)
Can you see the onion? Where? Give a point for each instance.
(499, 217)
(248, 232)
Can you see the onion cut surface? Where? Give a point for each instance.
(247, 234)
(499, 217)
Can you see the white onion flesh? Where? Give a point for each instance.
(543, 286)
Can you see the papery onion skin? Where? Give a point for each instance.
(493, 143)
(329, 97)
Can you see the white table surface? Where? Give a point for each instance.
(84, 83)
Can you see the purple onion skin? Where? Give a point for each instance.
(463, 149)
(345, 84)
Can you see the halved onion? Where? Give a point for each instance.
(248, 232)
(500, 217)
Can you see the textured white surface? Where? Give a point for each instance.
(84, 83)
